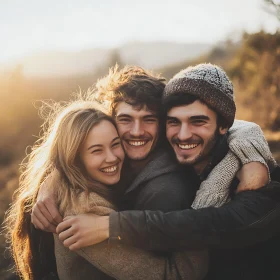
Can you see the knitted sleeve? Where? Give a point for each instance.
(246, 140)
(247, 144)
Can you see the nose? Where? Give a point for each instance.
(136, 129)
(110, 156)
(185, 132)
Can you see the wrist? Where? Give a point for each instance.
(104, 227)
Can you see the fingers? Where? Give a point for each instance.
(45, 215)
(66, 234)
(44, 211)
(50, 205)
(69, 241)
(37, 224)
(75, 246)
(41, 217)
(40, 222)
(67, 223)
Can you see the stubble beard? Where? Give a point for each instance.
(204, 154)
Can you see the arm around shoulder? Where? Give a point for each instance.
(250, 211)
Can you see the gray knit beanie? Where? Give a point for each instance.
(208, 82)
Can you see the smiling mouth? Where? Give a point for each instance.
(137, 143)
(110, 169)
(187, 147)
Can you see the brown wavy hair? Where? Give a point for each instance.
(132, 84)
(54, 156)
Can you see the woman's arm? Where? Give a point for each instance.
(123, 262)
(128, 263)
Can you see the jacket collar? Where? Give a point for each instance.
(161, 162)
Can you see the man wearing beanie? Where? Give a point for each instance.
(200, 109)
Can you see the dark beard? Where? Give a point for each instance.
(207, 149)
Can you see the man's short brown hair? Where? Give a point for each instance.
(133, 85)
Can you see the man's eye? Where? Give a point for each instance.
(198, 122)
(172, 122)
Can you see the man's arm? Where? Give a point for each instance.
(250, 217)
(45, 214)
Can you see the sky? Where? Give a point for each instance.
(28, 26)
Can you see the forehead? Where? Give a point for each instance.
(191, 110)
(126, 109)
(101, 133)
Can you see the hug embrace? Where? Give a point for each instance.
(139, 179)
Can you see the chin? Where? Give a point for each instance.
(184, 161)
(138, 157)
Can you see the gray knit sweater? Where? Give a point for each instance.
(247, 144)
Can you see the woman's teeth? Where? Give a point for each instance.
(109, 169)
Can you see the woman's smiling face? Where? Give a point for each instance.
(102, 153)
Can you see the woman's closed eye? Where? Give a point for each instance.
(116, 144)
(95, 151)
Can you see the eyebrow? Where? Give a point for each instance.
(123, 115)
(200, 117)
(144, 117)
(100, 145)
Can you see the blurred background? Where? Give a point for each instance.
(50, 49)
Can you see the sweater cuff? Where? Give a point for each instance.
(114, 228)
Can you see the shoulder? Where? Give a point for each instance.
(90, 202)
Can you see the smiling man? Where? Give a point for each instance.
(138, 129)
(192, 131)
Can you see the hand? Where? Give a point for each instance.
(45, 214)
(252, 176)
(83, 230)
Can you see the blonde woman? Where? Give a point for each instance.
(81, 156)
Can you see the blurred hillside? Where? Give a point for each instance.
(147, 54)
(253, 65)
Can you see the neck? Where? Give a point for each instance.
(138, 165)
(200, 166)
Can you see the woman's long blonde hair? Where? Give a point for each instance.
(54, 156)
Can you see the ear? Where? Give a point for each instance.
(223, 130)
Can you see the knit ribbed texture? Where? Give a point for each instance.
(208, 82)
(247, 144)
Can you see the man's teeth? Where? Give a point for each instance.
(187, 147)
(137, 143)
(109, 169)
